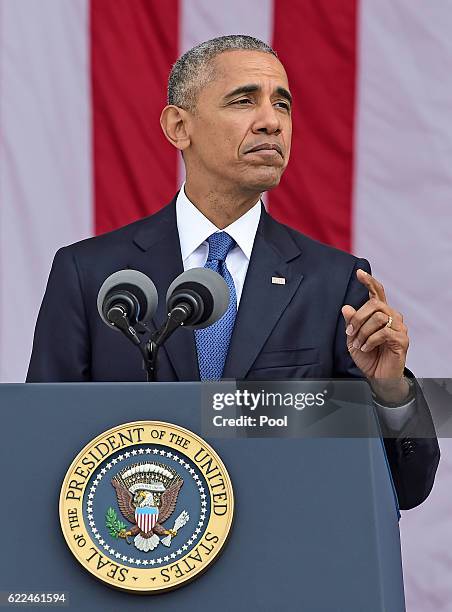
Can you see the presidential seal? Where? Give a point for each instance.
(146, 506)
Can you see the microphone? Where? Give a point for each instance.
(197, 298)
(126, 298)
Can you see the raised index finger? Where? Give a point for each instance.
(376, 289)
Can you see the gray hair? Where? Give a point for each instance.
(194, 69)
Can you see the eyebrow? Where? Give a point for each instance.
(253, 88)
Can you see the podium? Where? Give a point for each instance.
(315, 520)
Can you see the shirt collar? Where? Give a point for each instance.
(194, 228)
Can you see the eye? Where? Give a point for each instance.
(243, 101)
(284, 105)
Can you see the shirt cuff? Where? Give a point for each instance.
(396, 418)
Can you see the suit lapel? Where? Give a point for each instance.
(262, 302)
(157, 254)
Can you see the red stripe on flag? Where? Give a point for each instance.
(133, 45)
(316, 42)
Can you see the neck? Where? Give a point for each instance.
(221, 207)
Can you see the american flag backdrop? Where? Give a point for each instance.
(82, 85)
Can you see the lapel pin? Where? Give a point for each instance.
(278, 280)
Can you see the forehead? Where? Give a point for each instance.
(235, 68)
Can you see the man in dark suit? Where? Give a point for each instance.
(298, 308)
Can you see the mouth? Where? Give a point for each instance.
(266, 148)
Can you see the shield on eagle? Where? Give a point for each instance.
(146, 518)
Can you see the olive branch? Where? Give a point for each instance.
(113, 524)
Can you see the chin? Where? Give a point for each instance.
(265, 181)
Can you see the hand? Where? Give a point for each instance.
(379, 351)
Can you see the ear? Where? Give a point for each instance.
(174, 122)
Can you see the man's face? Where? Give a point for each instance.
(241, 129)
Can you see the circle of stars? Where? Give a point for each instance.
(144, 562)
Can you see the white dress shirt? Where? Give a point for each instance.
(194, 229)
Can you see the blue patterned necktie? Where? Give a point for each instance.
(212, 343)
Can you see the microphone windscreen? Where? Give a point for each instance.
(210, 287)
(134, 282)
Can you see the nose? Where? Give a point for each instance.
(267, 119)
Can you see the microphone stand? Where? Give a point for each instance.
(149, 350)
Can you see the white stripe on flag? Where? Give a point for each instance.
(204, 19)
(403, 217)
(45, 158)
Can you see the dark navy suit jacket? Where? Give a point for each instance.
(282, 331)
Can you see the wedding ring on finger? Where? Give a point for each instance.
(389, 323)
